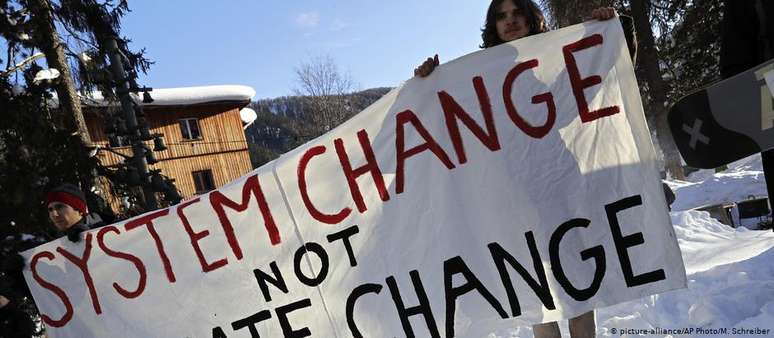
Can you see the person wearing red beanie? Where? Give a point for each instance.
(68, 211)
(66, 206)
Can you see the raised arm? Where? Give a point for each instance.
(426, 67)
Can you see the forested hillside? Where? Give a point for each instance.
(286, 122)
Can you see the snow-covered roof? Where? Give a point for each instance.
(183, 96)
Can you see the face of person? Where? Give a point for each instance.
(510, 22)
(62, 215)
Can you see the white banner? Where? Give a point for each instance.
(514, 185)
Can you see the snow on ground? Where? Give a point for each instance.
(730, 283)
(706, 243)
(730, 270)
(744, 178)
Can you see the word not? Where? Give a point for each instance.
(503, 261)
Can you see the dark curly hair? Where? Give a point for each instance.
(532, 12)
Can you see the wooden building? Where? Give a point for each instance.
(203, 132)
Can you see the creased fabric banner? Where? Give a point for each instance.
(515, 185)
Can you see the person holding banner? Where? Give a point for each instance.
(69, 213)
(509, 20)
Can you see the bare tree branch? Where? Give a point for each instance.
(22, 64)
(326, 90)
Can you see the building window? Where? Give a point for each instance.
(190, 129)
(203, 181)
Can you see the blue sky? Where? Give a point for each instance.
(260, 43)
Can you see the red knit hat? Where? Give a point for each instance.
(68, 194)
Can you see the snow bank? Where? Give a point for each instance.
(743, 179)
(706, 243)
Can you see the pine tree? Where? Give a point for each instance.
(43, 139)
